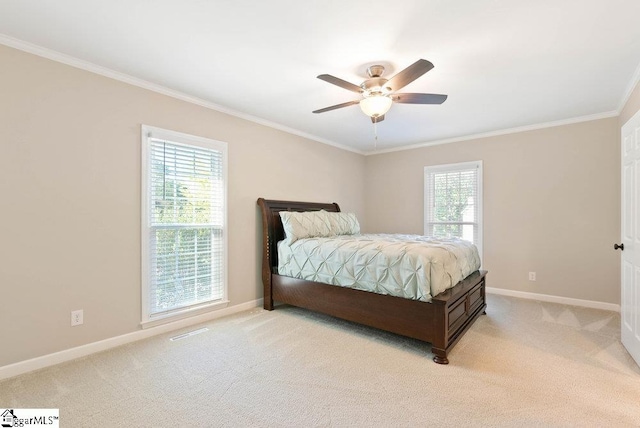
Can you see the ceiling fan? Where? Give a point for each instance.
(379, 93)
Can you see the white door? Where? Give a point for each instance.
(630, 299)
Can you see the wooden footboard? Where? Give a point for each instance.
(457, 309)
(442, 322)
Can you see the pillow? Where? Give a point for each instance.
(343, 223)
(309, 224)
(312, 224)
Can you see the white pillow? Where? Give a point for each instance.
(309, 224)
(343, 223)
(313, 224)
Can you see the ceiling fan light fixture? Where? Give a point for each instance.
(378, 93)
(376, 105)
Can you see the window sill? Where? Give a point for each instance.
(187, 313)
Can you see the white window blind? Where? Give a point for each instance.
(185, 224)
(453, 201)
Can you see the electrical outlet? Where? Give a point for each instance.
(77, 317)
(532, 276)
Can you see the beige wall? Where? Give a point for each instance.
(70, 192)
(551, 205)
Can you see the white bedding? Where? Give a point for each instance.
(409, 266)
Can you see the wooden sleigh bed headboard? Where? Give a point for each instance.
(272, 231)
(443, 321)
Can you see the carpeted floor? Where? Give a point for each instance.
(526, 363)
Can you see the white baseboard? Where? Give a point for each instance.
(21, 367)
(555, 299)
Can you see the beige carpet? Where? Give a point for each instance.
(524, 364)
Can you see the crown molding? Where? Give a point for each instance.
(506, 131)
(629, 90)
(141, 83)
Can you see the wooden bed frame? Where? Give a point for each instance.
(442, 322)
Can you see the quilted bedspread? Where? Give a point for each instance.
(409, 266)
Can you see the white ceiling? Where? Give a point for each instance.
(504, 63)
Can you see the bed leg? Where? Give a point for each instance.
(268, 298)
(267, 295)
(440, 356)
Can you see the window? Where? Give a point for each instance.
(183, 224)
(453, 201)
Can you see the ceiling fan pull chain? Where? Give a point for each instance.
(375, 132)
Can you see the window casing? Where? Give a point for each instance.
(184, 235)
(453, 201)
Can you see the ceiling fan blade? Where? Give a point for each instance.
(377, 119)
(419, 98)
(409, 74)
(339, 82)
(347, 104)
